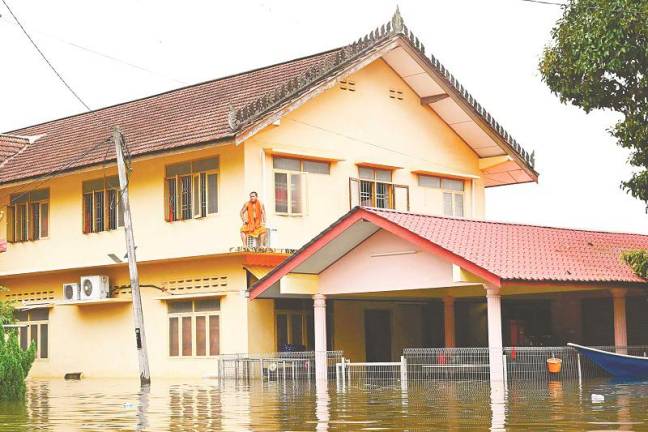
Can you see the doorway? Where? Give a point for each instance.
(377, 335)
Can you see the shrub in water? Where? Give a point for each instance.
(15, 362)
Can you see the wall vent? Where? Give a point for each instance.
(30, 297)
(347, 85)
(198, 284)
(396, 94)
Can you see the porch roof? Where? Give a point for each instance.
(494, 251)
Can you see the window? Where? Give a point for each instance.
(374, 188)
(453, 193)
(101, 205)
(191, 189)
(34, 328)
(194, 328)
(28, 216)
(289, 182)
(294, 323)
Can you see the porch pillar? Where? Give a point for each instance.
(449, 321)
(319, 318)
(494, 305)
(620, 328)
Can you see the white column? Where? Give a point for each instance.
(449, 322)
(494, 304)
(620, 328)
(319, 317)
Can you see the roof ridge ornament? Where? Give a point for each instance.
(397, 21)
(247, 114)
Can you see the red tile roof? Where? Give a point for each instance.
(188, 116)
(10, 145)
(496, 251)
(528, 252)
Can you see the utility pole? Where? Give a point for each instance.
(138, 314)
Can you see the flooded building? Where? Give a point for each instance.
(229, 177)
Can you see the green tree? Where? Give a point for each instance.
(15, 362)
(598, 59)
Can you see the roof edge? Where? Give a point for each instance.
(337, 227)
(242, 117)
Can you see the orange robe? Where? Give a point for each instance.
(254, 226)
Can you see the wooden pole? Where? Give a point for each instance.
(138, 314)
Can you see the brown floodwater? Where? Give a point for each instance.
(209, 405)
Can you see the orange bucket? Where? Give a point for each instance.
(554, 365)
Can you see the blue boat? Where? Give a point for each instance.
(618, 365)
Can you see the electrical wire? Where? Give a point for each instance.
(417, 157)
(545, 2)
(30, 185)
(106, 56)
(60, 77)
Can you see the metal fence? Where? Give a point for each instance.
(523, 364)
(376, 373)
(426, 364)
(274, 366)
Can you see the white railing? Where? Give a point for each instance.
(386, 373)
(274, 366)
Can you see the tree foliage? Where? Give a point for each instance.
(598, 59)
(15, 362)
(638, 261)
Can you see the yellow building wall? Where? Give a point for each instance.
(361, 126)
(349, 329)
(67, 247)
(99, 340)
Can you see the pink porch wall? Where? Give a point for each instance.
(360, 272)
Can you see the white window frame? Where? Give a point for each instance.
(452, 193)
(289, 192)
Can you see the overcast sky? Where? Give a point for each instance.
(492, 47)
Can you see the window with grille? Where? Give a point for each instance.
(374, 188)
(28, 216)
(102, 205)
(289, 182)
(191, 189)
(194, 328)
(34, 328)
(453, 192)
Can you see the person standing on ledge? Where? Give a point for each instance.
(253, 217)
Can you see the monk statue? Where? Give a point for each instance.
(253, 217)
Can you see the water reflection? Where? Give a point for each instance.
(111, 405)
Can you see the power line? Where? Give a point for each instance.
(351, 138)
(544, 2)
(106, 56)
(45, 58)
(53, 173)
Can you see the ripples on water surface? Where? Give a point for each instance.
(115, 405)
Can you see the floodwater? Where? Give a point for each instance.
(209, 405)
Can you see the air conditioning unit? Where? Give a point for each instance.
(271, 239)
(94, 287)
(71, 292)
